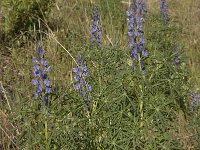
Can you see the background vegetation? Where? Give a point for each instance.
(166, 120)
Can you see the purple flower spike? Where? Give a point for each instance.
(41, 81)
(164, 10)
(81, 84)
(145, 8)
(135, 19)
(95, 27)
(195, 103)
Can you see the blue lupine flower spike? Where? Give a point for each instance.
(81, 84)
(41, 81)
(135, 18)
(195, 103)
(164, 10)
(95, 27)
(145, 8)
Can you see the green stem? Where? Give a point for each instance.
(141, 111)
(46, 134)
(141, 103)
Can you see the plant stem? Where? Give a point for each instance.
(141, 103)
(46, 134)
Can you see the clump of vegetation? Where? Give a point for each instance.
(25, 15)
(129, 88)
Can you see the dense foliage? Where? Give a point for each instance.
(25, 15)
(135, 95)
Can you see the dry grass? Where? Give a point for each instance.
(6, 130)
(187, 15)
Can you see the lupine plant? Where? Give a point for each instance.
(136, 42)
(144, 8)
(81, 84)
(41, 81)
(124, 97)
(195, 102)
(95, 27)
(43, 85)
(164, 10)
(177, 57)
(135, 19)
